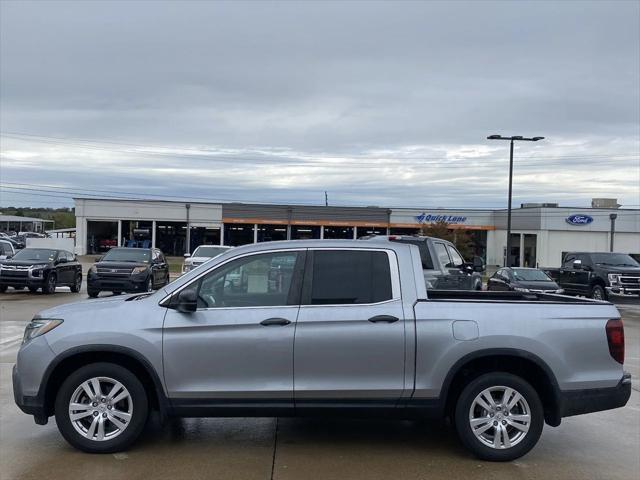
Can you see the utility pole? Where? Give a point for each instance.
(188, 235)
(612, 217)
(326, 199)
(511, 139)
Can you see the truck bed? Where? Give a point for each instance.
(485, 296)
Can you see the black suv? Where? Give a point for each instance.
(44, 268)
(128, 270)
(598, 275)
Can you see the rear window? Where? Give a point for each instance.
(425, 258)
(350, 277)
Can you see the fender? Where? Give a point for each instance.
(163, 402)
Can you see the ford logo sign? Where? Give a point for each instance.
(579, 219)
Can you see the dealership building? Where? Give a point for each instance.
(541, 233)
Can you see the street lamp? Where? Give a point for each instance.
(511, 139)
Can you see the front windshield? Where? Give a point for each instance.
(36, 255)
(133, 255)
(530, 275)
(208, 251)
(614, 259)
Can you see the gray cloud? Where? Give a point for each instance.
(303, 82)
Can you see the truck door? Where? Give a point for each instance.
(238, 345)
(350, 334)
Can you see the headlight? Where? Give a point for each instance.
(39, 326)
(520, 289)
(560, 290)
(186, 267)
(139, 270)
(614, 278)
(37, 267)
(93, 269)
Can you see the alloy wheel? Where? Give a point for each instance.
(500, 417)
(100, 408)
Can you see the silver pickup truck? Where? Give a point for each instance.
(322, 328)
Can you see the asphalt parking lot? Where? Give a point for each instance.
(603, 445)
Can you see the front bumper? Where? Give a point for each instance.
(623, 291)
(21, 282)
(128, 284)
(578, 402)
(31, 405)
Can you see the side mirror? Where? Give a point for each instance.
(62, 260)
(577, 264)
(187, 255)
(97, 259)
(478, 264)
(187, 301)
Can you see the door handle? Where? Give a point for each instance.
(383, 319)
(275, 321)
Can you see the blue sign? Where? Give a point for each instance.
(579, 219)
(429, 218)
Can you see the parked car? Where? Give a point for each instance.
(128, 270)
(522, 280)
(17, 243)
(6, 249)
(43, 268)
(202, 254)
(443, 266)
(598, 275)
(322, 327)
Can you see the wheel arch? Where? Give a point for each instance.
(75, 358)
(524, 364)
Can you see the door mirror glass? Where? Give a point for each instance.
(478, 264)
(577, 264)
(62, 260)
(187, 301)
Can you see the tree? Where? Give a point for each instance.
(460, 238)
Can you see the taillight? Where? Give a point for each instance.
(615, 339)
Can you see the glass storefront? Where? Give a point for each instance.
(204, 236)
(303, 232)
(271, 233)
(237, 234)
(338, 233)
(363, 231)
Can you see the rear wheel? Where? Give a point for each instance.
(598, 293)
(49, 286)
(101, 408)
(499, 417)
(75, 288)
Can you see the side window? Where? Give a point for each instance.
(5, 249)
(346, 277)
(568, 260)
(441, 252)
(456, 258)
(70, 256)
(262, 280)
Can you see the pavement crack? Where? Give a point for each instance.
(275, 447)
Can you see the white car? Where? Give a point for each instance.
(6, 249)
(201, 255)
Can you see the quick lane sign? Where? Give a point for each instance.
(429, 218)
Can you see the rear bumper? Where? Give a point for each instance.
(578, 402)
(28, 404)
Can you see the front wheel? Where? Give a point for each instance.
(149, 284)
(49, 286)
(101, 408)
(499, 417)
(92, 293)
(598, 293)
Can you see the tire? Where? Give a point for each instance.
(148, 286)
(75, 288)
(167, 280)
(119, 430)
(49, 286)
(481, 444)
(598, 293)
(93, 293)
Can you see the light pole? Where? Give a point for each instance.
(612, 217)
(511, 139)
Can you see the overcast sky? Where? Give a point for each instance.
(378, 103)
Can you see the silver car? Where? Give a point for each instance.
(322, 327)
